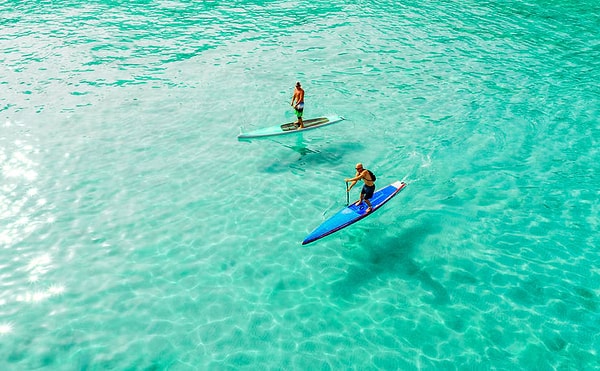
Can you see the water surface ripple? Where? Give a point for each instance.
(136, 232)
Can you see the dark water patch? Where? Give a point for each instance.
(463, 277)
(554, 342)
(588, 299)
(521, 296)
(456, 322)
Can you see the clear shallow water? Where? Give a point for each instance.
(137, 232)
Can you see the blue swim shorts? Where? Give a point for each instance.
(368, 191)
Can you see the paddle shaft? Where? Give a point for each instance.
(347, 195)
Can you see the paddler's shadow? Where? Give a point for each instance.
(304, 147)
(391, 258)
(310, 157)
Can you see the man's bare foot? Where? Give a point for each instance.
(357, 203)
(369, 209)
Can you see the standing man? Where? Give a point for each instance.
(368, 188)
(298, 104)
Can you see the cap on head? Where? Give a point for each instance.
(297, 83)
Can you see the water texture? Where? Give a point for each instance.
(137, 232)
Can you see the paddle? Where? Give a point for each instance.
(347, 195)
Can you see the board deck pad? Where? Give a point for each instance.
(353, 213)
(308, 123)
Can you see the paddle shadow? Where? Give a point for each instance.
(392, 258)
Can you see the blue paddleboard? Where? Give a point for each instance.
(351, 214)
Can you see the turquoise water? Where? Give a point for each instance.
(137, 232)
